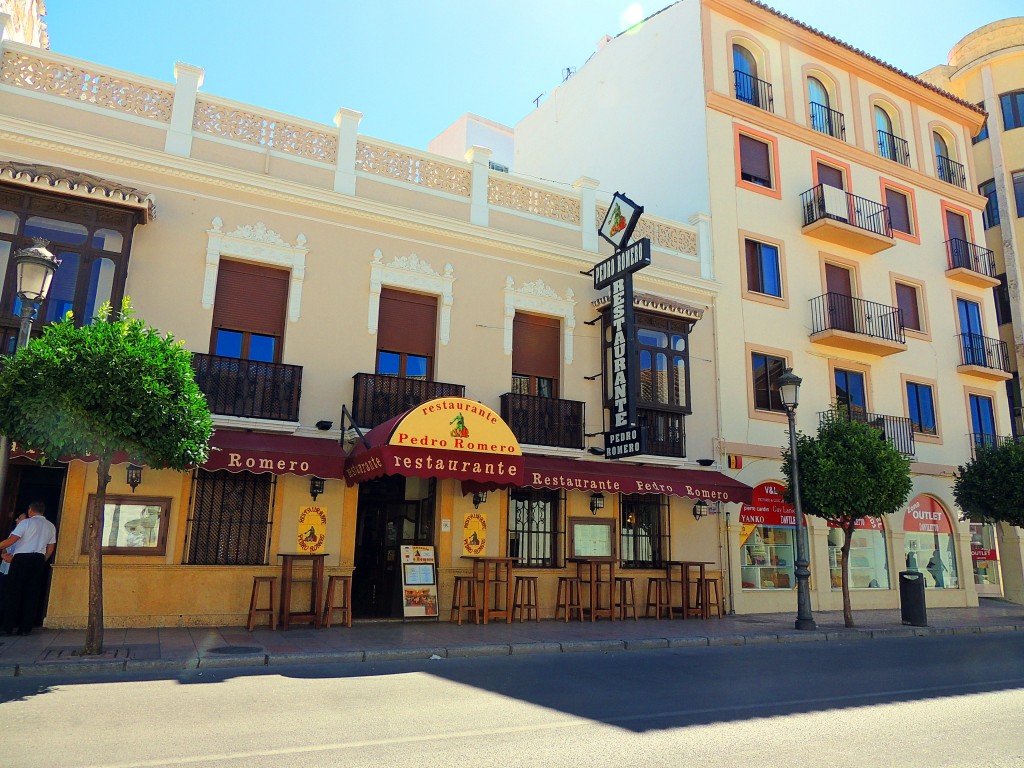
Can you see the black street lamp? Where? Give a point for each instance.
(789, 392)
(34, 268)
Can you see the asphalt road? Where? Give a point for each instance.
(937, 701)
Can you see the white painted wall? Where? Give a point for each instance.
(472, 130)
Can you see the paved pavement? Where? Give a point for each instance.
(48, 651)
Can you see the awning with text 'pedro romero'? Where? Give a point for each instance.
(280, 454)
(620, 477)
(447, 438)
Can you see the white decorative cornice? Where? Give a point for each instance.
(412, 273)
(539, 298)
(260, 245)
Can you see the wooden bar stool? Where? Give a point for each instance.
(569, 599)
(659, 597)
(464, 598)
(271, 581)
(705, 598)
(346, 600)
(627, 597)
(525, 599)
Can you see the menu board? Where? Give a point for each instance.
(589, 537)
(419, 582)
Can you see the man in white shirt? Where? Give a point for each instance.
(32, 543)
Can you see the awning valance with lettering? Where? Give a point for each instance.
(619, 477)
(259, 452)
(450, 437)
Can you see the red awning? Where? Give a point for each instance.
(378, 454)
(606, 476)
(281, 454)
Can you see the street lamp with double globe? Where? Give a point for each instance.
(789, 392)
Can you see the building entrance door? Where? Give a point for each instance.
(392, 511)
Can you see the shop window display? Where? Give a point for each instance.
(767, 540)
(928, 543)
(984, 554)
(869, 566)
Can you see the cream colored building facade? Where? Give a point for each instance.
(164, 193)
(845, 246)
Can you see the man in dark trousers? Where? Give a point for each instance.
(32, 543)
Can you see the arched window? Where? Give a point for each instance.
(824, 119)
(890, 146)
(941, 150)
(946, 168)
(928, 543)
(744, 67)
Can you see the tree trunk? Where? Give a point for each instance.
(845, 563)
(94, 532)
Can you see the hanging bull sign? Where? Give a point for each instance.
(625, 437)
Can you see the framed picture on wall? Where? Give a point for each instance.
(133, 525)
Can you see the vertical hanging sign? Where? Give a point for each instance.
(625, 437)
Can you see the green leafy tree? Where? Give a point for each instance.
(990, 487)
(848, 471)
(116, 385)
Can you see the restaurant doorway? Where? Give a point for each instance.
(392, 511)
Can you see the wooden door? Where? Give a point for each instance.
(839, 284)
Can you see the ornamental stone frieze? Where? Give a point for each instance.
(538, 297)
(411, 273)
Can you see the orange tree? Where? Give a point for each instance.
(115, 385)
(990, 487)
(848, 471)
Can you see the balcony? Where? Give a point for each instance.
(750, 90)
(845, 322)
(377, 398)
(897, 430)
(971, 264)
(544, 420)
(951, 171)
(828, 121)
(985, 440)
(665, 432)
(983, 357)
(837, 217)
(249, 388)
(893, 148)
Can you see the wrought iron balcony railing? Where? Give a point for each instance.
(951, 171)
(893, 148)
(898, 430)
(964, 255)
(377, 398)
(751, 90)
(825, 202)
(544, 420)
(827, 120)
(839, 312)
(665, 432)
(984, 352)
(249, 388)
(986, 440)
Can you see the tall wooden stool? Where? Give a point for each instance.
(659, 597)
(464, 598)
(525, 599)
(271, 581)
(346, 600)
(711, 582)
(570, 599)
(627, 596)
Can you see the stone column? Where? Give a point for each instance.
(1011, 562)
(586, 188)
(188, 79)
(478, 157)
(347, 121)
(705, 251)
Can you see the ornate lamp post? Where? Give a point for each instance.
(789, 392)
(34, 267)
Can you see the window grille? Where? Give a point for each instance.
(644, 531)
(231, 517)
(535, 526)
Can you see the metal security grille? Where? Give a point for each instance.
(533, 527)
(231, 518)
(643, 535)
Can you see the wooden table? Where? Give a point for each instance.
(494, 571)
(593, 568)
(682, 568)
(316, 588)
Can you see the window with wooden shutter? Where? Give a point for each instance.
(907, 301)
(755, 161)
(535, 353)
(406, 332)
(899, 210)
(249, 311)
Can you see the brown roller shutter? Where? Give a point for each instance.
(906, 299)
(755, 158)
(899, 210)
(251, 298)
(407, 322)
(535, 346)
(831, 176)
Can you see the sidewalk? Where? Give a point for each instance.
(50, 651)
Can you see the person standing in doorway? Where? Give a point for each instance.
(34, 540)
(5, 565)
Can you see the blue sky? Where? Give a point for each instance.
(413, 67)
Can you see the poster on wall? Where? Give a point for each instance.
(474, 534)
(312, 530)
(419, 582)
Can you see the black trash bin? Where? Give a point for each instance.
(912, 599)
